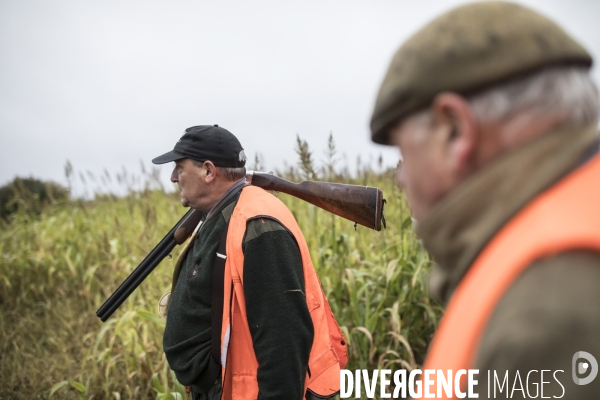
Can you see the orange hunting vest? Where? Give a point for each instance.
(238, 361)
(565, 217)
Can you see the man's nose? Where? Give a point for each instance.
(174, 176)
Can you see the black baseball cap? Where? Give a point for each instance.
(207, 142)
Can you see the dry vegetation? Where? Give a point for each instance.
(58, 266)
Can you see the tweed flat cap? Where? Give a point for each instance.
(465, 50)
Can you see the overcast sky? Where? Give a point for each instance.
(106, 84)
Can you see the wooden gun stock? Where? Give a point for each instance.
(360, 204)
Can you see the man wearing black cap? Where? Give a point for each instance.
(495, 113)
(249, 332)
(213, 150)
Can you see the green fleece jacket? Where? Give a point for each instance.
(272, 267)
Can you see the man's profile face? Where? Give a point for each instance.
(189, 179)
(423, 173)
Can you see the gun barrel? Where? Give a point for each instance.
(161, 250)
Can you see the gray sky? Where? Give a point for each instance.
(106, 84)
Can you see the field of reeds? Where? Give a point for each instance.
(59, 263)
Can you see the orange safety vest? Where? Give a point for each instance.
(565, 217)
(238, 361)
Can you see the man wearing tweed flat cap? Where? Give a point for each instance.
(495, 114)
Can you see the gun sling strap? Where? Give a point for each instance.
(218, 277)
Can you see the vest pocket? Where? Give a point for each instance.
(244, 387)
(325, 369)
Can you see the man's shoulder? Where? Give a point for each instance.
(552, 305)
(255, 192)
(259, 212)
(255, 201)
(261, 225)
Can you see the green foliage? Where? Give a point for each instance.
(305, 159)
(58, 267)
(29, 194)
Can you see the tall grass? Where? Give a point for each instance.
(56, 269)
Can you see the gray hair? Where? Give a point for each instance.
(233, 174)
(230, 174)
(566, 90)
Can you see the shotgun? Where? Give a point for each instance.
(361, 204)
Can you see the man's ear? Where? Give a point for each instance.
(455, 122)
(211, 171)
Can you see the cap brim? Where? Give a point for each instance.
(168, 157)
